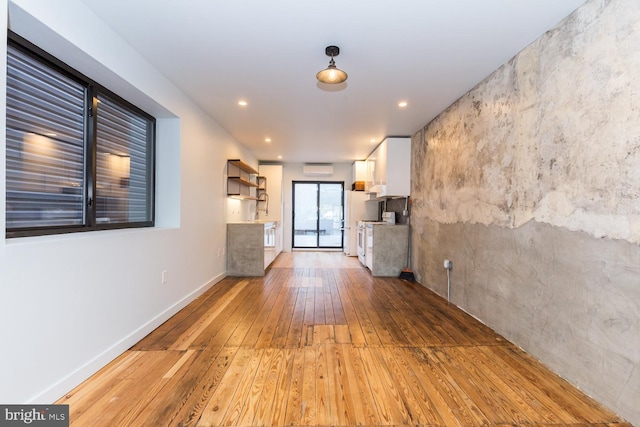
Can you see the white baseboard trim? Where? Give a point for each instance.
(73, 379)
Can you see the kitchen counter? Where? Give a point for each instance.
(257, 221)
(250, 247)
(245, 249)
(389, 249)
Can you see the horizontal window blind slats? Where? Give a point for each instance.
(25, 91)
(42, 146)
(26, 161)
(121, 134)
(23, 63)
(51, 209)
(50, 100)
(24, 119)
(122, 141)
(114, 140)
(35, 75)
(45, 145)
(117, 121)
(38, 92)
(46, 157)
(47, 197)
(20, 161)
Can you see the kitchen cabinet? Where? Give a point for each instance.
(359, 175)
(389, 169)
(241, 180)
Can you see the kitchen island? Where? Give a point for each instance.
(250, 247)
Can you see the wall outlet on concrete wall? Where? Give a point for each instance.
(448, 264)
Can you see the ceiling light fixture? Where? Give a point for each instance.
(332, 74)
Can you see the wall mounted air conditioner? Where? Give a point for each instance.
(317, 170)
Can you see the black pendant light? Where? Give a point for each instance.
(332, 74)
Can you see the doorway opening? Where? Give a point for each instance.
(318, 215)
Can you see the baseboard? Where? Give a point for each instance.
(70, 381)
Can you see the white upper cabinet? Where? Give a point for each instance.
(359, 173)
(389, 169)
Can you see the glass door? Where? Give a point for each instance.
(318, 214)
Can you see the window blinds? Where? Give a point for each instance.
(69, 168)
(45, 155)
(122, 180)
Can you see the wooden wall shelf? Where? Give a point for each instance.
(242, 166)
(241, 180)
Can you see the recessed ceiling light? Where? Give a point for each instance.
(402, 104)
(243, 103)
(279, 157)
(267, 140)
(373, 140)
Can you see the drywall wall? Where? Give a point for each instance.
(530, 184)
(71, 303)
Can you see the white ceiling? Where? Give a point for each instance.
(425, 52)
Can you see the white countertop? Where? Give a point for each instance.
(257, 221)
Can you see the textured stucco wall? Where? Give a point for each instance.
(530, 183)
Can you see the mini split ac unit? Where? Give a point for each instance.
(317, 170)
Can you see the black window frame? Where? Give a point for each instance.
(318, 219)
(92, 91)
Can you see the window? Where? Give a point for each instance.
(318, 214)
(78, 157)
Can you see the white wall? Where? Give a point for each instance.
(293, 172)
(71, 303)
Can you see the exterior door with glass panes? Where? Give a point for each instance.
(318, 214)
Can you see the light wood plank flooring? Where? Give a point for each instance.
(319, 342)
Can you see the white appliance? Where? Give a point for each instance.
(356, 209)
(369, 246)
(362, 242)
(365, 242)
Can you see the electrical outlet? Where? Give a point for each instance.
(448, 264)
(164, 277)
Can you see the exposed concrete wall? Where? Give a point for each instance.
(530, 183)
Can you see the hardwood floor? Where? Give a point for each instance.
(318, 341)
